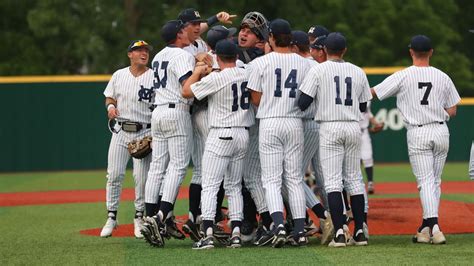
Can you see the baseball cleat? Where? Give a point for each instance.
(137, 225)
(438, 236)
(173, 231)
(299, 240)
(263, 237)
(310, 229)
(235, 242)
(359, 239)
(280, 237)
(327, 228)
(204, 243)
(109, 226)
(338, 241)
(152, 232)
(192, 230)
(423, 236)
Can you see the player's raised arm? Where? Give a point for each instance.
(222, 17)
(200, 70)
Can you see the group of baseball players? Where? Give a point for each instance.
(253, 113)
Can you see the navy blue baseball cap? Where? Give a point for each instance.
(317, 31)
(171, 29)
(139, 44)
(218, 33)
(420, 43)
(299, 38)
(279, 26)
(319, 42)
(335, 41)
(226, 48)
(190, 15)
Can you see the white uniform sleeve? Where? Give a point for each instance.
(365, 95)
(205, 87)
(183, 68)
(109, 91)
(389, 87)
(311, 82)
(254, 72)
(452, 96)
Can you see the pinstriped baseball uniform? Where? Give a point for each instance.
(171, 125)
(366, 142)
(199, 120)
(471, 162)
(227, 143)
(277, 76)
(133, 96)
(423, 94)
(339, 87)
(311, 143)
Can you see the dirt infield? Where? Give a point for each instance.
(387, 216)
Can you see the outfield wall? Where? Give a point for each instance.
(60, 123)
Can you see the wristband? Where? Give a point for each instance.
(212, 20)
(110, 106)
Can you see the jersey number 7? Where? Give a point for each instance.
(428, 86)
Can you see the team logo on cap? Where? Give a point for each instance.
(311, 30)
(196, 13)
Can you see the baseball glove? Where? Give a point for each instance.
(376, 128)
(140, 148)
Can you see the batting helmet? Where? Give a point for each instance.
(257, 23)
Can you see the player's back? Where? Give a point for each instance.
(342, 86)
(230, 105)
(424, 94)
(171, 66)
(278, 76)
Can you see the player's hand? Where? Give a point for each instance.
(112, 113)
(205, 58)
(225, 17)
(377, 127)
(202, 69)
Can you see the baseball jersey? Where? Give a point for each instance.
(228, 96)
(278, 76)
(422, 93)
(199, 46)
(171, 66)
(365, 121)
(311, 111)
(134, 95)
(338, 87)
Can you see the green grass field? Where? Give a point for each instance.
(49, 234)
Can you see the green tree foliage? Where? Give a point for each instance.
(71, 37)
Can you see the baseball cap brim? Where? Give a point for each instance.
(139, 44)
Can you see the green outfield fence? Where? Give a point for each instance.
(60, 123)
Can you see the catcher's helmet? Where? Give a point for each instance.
(257, 23)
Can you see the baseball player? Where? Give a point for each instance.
(426, 98)
(227, 143)
(317, 31)
(128, 99)
(366, 145)
(274, 81)
(300, 46)
(341, 91)
(253, 33)
(318, 34)
(171, 130)
(195, 25)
